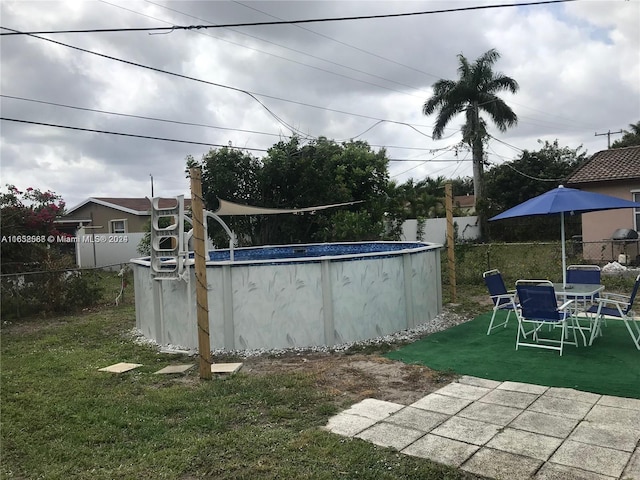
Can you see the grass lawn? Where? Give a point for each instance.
(62, 418)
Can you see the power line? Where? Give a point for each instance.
(204, 125)
(236, 89)
(505, 143)
(287, 48)
(556, 124)
(339, 41)
(141, 117)
(508, 164)
(386, 59)
(147, 137)
(250, 94)
(422, 162)
(288, 22)
(164, 139)
(178, 122)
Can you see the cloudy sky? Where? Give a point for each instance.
(578, 66)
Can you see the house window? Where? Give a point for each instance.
(118, 226)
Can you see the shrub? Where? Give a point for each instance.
(57, 288)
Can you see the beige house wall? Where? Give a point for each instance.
(598, 226)
(102, 216)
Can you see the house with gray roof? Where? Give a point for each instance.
(113, 215)
(614, 172)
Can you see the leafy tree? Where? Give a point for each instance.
(233, 175)
(462, 186)
(630, 138)
(324, 172)
(528, 176)
(144, 245)
(475, 91)
(27, 223)
(29, 213)
(293, 175)
(422, 199)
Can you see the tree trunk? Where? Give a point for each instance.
(478, 171)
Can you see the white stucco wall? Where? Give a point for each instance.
(435, 230)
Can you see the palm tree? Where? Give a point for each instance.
(473, 92)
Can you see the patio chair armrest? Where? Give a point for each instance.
(614, 296)
(566, 304)
(622, 303)
(509, 296)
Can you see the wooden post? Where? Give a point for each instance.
(199, 250)
(451, 256)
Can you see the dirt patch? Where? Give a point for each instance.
(356, 377)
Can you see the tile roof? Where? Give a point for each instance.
(465, 201)
(608, 165)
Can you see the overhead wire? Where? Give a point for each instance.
(296, 22)
(290, 22)
(457, 166)
(141, 117)
(313, 56)
(509, 164)
(204, 125)
(288, 48)
(149, 137)
(422, 162)
(552, 115)
(339, 41)
(246, 92)
(253, 95)
(505, 143)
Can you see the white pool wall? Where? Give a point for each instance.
(294, 302)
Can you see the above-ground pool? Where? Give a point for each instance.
(295, 295)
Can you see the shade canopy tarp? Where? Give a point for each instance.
(563, 200)
(227, 208)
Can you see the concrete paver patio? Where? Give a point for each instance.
(507, 430)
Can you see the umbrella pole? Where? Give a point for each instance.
(564, 257)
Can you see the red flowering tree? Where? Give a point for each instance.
(29, 239)
(26, 221)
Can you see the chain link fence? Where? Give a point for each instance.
(534, 260)
(58, 290)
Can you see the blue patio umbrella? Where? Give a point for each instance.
(565, 200)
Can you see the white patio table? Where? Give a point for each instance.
(581, 293)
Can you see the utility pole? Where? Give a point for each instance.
(608, 134)
(151, 184)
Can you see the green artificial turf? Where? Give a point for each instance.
(611, 366)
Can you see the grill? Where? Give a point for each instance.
(622, 234)
(623, 237)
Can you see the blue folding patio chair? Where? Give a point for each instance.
(502, 298)
(589, 274)
(617, 307)
(539, 307)
(586, 274)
